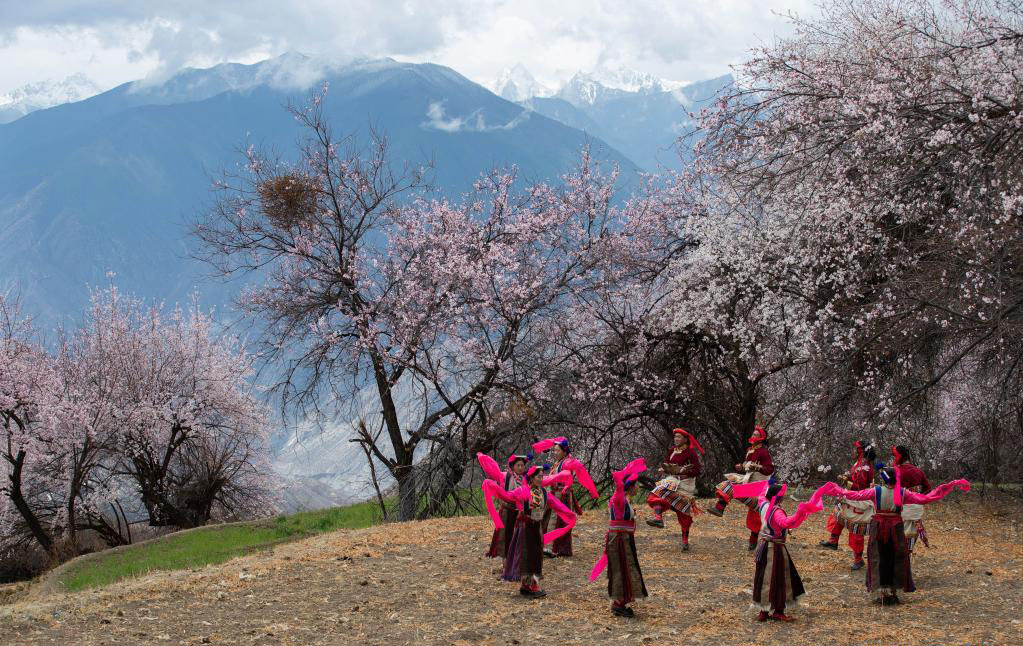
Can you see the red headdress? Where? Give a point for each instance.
(859, 456)
(692, 439)
(896, 455)
(759, 435)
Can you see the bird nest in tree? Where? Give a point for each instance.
(288, 200)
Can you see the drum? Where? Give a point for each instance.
(854, 515)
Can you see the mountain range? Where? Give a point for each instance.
(45, 94)
(103, 189)
(639, 114)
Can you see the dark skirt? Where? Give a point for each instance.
(624, 578)
(525, 551)
(562, 546)
(888, 560)
(776, 582)
(501, 538)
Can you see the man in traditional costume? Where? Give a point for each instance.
(563, 461)
(913, 479)
(776, 582)
(757, 467)
(624, 577)
(850, 514)
(677, 490)
(888, 561)
(511, 479)
(524, 561)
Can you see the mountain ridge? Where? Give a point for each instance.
(108, 186)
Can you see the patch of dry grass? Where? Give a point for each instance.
(428, 583)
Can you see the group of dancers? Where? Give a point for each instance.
(885, 512)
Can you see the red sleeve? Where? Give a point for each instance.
(763, 457)
(490, 467)
(617, 500)
(862, 477)
(936, 494)
(687, 457)
(913, 476)
(832, 489)
(694, 460)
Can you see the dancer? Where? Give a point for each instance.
(914, 480)
(776, 582)
(524, 561)
(756, 468)
(509, 480)
(677, 491)
(624, 578)
(888, 561)
(564, 462)
(853, 515)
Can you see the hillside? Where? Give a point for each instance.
(427, 583)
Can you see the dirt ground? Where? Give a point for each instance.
(428, 583)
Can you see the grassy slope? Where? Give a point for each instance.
(219, 543)
(213, 544)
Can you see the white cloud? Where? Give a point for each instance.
(114, 41)
(437, 119)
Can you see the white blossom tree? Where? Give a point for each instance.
(865, 175)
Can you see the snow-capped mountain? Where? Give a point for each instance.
(638, 113)
(291, 71)
(583, 88)
(628, 80)
(589, 88)
(517, 84)
(44, 94)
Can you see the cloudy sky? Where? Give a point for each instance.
(112, 41)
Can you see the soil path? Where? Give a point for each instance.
(428, 583)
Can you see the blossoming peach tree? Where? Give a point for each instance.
(137, 415)
(866, 187)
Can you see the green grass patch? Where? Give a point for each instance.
(213, 544)
(219, 543)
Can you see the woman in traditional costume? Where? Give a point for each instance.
(511, 479)
(624, 577)
(757, 467)
(888, 562)
(776, 582)
(913, 479)
(524, 560)
(677, 490)
(563, 461)
(853, 515)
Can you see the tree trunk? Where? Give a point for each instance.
(747, 407)
(406, 478)
(18, 498)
